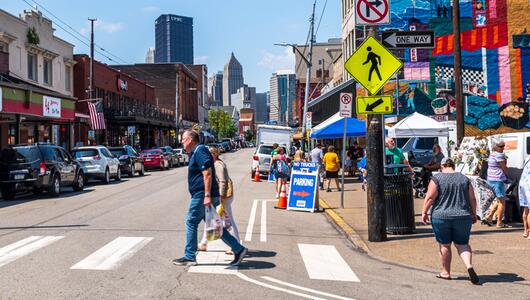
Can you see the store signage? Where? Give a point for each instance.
(304, 179)
(122, 85)
(345, 104)
(51, 107)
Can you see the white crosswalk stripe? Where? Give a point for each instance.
(325, 262)
(113, 254)
(24, 247)
(215, 260)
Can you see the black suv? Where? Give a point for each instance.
(130, 162)
(37, 168)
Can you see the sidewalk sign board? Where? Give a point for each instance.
(303, 186)
(372, 12)
(346, 100)
(372, 65)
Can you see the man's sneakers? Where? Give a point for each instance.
(183, 261)
(238, 257)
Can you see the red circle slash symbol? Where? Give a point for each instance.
(371, 12)
(345, 98)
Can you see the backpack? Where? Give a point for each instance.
(282, 169)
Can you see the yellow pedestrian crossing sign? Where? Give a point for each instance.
(372, 65)
(375, 105)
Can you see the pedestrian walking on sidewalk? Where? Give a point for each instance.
(451, 201)
(226, 190)
(497, 176)
(278, 163)
(204, 192)
(524, 198)
(332, 165)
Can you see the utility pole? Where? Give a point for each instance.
(458, 72)
(308, 77)
(375, 167)
(91, 79)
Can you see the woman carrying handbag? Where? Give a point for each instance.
(226, 190)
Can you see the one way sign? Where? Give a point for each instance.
(408, 39)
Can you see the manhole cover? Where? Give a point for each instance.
(479, 252)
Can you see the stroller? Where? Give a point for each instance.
(420, 182)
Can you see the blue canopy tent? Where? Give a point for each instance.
(335, 129)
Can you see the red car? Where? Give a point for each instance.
(154, 158)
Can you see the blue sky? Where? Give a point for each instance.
(249, 28)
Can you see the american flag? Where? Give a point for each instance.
(96, 115)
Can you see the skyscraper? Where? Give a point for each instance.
(150, 56)
(232, 79)
(262, 109)
(282, 87)
(215, 86)
(174, 39)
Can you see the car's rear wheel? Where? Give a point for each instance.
(79, 184)
(171, 164)
(142, 170)
(55, 187)
(133, 171)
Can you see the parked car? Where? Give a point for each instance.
(182, 155)
(262, 158)
(38, 168)
(172, 158)
(98, 163)
(130, 161)
(227, 145)
(154, 158)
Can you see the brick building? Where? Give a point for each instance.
(132, 113)
(164, 77)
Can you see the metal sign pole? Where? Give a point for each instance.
(343, 164)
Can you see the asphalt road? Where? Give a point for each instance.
(117, 241)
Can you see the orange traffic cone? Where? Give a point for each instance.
(257, 175)
(282, 200)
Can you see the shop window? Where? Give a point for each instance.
(47, 70)
(11, 133)
(67, 79)
(32, 66)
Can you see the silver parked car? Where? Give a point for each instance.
(182, 155)
(98, 163)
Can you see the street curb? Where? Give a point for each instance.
(350, 233)
(360, 244)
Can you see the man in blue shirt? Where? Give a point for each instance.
(204, 192)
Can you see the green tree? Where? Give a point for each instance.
(221, 123)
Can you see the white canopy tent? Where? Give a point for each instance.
(418, 125)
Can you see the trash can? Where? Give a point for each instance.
(399, 203)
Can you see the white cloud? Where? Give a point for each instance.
(201, 59)
(108, 27)
(283, 61)
(151, 9)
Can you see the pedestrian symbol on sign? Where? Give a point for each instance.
(375, 60)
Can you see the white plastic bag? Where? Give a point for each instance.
(224, 216)
(213, 224)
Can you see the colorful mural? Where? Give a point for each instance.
(495, 47)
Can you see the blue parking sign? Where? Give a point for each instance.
(303, 187)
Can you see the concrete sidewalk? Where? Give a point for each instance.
(498, 254)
